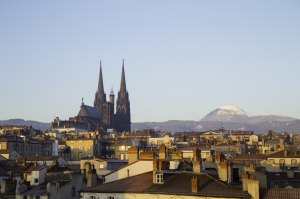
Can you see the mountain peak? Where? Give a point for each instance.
(227, 113)
(233, 109)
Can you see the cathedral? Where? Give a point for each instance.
(102, 115)
(121, 119)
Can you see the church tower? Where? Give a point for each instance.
(100, 96)
(123, 120)
(107, 108)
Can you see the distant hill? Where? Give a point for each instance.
(229, 117)
(180, 126)
(21, 122)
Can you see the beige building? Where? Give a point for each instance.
(27, 147)
(83, 147)
(285, 158)
(211, 135)
(102, 166)
(155, 142)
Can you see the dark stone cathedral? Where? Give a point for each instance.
(121, 119)
(102, 115)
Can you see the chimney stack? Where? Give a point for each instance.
(160, 164)
(195, 184)
(91, 177)
(133, 154)
(196, 154)
(162, 152)
(253, 187)
(197, 166)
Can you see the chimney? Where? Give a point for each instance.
(253, 187)
(133, 154)
(196, 154)
(162, 152)
(160, 165)
(245, 182)
(154, 165)
(197, 166)
(91, 177)
(195, 184)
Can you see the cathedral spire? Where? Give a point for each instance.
(123, 81)
(100, 94)
(123, 119)
(100, 83)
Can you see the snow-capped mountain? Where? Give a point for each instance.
(227, 113)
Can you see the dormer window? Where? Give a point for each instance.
(159, 178)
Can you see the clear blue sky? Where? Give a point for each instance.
(182, 58)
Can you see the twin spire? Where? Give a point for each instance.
(100, 92)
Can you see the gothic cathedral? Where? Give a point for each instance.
(120, 120)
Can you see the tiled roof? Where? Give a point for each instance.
(179, 184)
(281, 193)
(281, 154)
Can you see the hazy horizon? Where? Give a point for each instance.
(182, 59)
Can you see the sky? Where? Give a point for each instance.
(183, 59)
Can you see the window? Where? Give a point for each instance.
(110, 197)
(122, 148)
(159, 178)
(80, 148)
(37, 197)
(122, 156)
(101, 166)
(281, 163)
(36, 180)
(293, 161)
(272, 161)
(92, 197)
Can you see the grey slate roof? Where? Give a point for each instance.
(89, 111)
